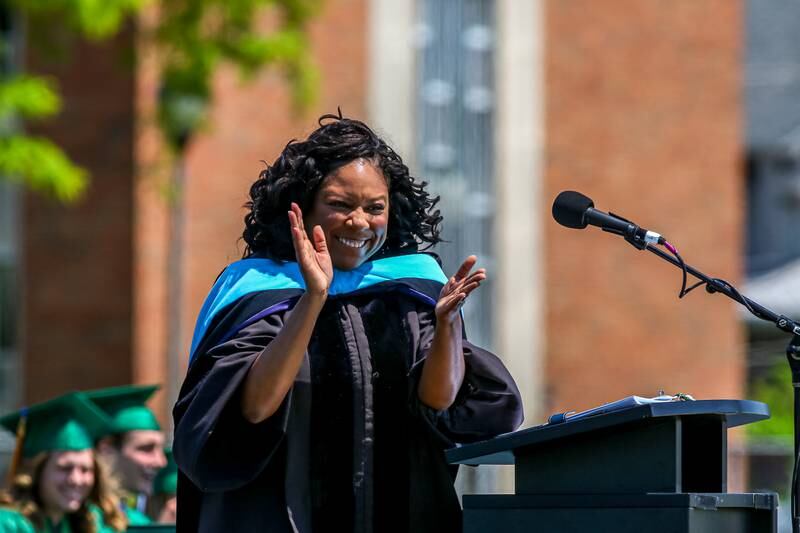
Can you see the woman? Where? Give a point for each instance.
(59, 487)
(329, 369)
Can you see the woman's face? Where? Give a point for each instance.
(66, 480)
(352, 207)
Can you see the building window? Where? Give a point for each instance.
(10, 371)
(9, 297)
(454, 118)
(773, 202)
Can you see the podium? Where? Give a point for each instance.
(655, 467)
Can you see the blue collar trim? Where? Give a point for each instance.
(255, 275)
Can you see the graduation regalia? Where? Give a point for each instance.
(13, 522)
(127, 411)
(66, 423)
(166, 482)
(126, 407)
(351, 448)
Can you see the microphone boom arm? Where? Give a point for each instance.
(715, 285)
(792, 355)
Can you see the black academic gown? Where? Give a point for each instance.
(351, 448)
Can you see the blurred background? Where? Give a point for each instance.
(130, 133)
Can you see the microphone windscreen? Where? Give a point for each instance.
(570, 207)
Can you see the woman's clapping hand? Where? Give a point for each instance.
(312, 255)
(455, 292)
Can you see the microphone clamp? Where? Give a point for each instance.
(638, 237)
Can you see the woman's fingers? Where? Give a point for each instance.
(464, 277)
(469, 287)
(453, 303)
(465, 267)
(320, 244)
(476, 277)
(462, 292)
(295, 221)
(299, 237)
(460, 286)
(299, 245)
(298, 214)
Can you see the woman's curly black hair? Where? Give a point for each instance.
(302, 167)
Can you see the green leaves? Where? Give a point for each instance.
(99, 19)
(42, 166)
(775, 389)
(33, 161)
(193, 38)
(94, 19)
(28, 97)
(197, 36)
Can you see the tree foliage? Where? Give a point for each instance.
(775, 389)
(192, 37)
(196, 36)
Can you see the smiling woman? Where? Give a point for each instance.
(329, 367)
(59, 486)
(352, 208)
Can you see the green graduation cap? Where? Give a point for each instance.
(166, 481)
(126, 407)
(67, 423)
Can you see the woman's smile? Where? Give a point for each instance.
(352, 208)
(352, 243)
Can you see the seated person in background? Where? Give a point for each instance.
(14, 522)
(163, 504)
(56, 484)
(133, 446)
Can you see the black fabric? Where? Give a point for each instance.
(351, 448)
(331, 460)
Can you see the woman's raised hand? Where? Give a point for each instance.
(313, 257)
(456, 290)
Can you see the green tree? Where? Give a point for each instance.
(775, 389)
(193, 38)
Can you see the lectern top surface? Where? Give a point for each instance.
(500, 450)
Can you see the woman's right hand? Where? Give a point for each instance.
(313, 257)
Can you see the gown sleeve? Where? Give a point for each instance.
(13, 522)
(488, 402)
(215, 446)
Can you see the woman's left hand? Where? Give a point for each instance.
(455, 292)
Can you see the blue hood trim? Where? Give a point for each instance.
(256, 274)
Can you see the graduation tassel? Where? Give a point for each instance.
(16, 457)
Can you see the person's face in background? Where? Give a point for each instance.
(65, 481)
(352, 207)
(137, 460)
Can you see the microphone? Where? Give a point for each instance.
(574, 210)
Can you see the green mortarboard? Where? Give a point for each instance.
(166, 481)
(126, 407)
(69, 422)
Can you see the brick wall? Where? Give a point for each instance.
(249, 123)
(76, 260)
(253, 123)
(643, 114)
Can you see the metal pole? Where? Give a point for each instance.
(175, 280)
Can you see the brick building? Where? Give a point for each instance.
(501, 104)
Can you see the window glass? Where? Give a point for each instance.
(455, 116)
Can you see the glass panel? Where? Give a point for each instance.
(8, 323)
(455, 100)
(10, 386)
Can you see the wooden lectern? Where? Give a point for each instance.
(658, 467)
